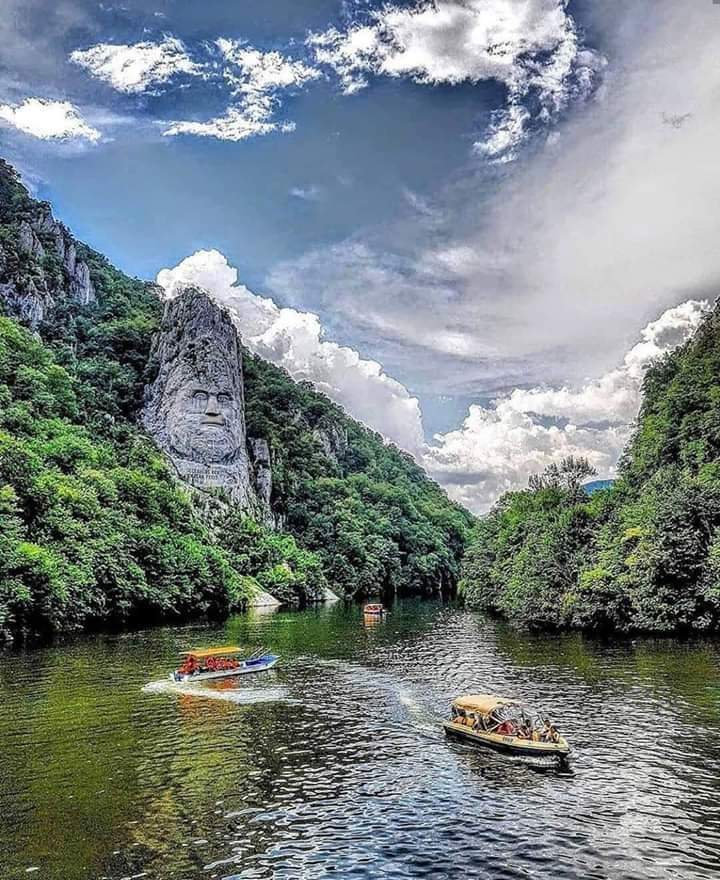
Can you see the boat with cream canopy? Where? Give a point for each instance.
(505, 725)
(201, 664)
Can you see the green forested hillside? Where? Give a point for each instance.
(641, 556)
(93, 527)
(371, 514)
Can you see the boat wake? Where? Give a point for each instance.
(414, 706)
(241, 696)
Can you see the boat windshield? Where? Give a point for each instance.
(521, 715)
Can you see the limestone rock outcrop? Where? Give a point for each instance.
(28, 242)
(195, 408)
(262, 469)
(26, 302)
(333, 441)
(40, 267)
(264, 600)
(81, 287)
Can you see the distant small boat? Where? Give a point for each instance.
(201, 664)
(505, 725)
(374, 609)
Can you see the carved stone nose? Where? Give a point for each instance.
(212, 408)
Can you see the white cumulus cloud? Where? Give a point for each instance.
(543, 274)
(137, 67)
(530, 46)
(311, 193)
(295, 340)
(256, 79)
(254, 73)
(236, 124)
(498, 447)
(49, 120)
(616, 395)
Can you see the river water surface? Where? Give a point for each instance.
(334, 764)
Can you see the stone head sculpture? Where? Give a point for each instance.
(204, 405)
(194, 407)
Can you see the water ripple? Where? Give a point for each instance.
(334, 764)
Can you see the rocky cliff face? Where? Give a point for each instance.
(39, 266)
(332, 440)
(195, 408)
(262, 470)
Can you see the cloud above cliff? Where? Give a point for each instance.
(531, 47)
(295, 341)
(256, 80)
(48, 120)
(137, 68)
(498, 446)
(542, 272)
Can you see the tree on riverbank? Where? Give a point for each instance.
(643, 555)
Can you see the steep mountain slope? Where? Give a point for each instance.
(643, 555)
(96, 527)
(378, 523)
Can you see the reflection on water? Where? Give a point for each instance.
(334, 763)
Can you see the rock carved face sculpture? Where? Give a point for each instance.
(194, 407)
(204, 419)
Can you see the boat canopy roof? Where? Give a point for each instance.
(212, 652)
(482, 703)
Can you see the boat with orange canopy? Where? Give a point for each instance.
(206, 663)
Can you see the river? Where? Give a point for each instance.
(334, 764)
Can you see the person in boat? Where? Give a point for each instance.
(189, 666)
(544, 730)
(549, 732)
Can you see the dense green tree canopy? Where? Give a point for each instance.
(643, 555)
(371, 514)
(95, 529)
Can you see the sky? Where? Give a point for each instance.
(473, 223)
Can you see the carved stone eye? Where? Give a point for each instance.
(224, 398)
(199, 401)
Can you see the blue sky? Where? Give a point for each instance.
(476, 198)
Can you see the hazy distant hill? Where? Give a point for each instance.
(597, 485)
